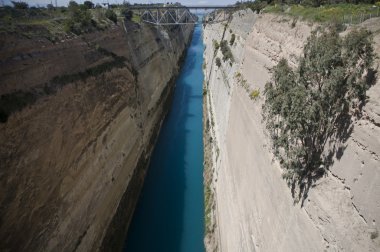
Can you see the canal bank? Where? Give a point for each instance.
(170, 213)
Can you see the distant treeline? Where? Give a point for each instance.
(261, 4)
(91, 5)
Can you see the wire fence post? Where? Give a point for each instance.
(360, 17)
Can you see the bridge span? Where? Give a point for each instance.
(192, 7)
(180, 15)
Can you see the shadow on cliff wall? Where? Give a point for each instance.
(336, 142)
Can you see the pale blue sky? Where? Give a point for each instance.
(184, 2)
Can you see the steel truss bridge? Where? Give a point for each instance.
(180, 15)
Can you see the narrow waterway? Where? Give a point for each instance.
(169, 214)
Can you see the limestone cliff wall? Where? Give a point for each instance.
(79, 119)
(252, 208)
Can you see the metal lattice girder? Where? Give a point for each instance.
(181, 15)
(168, 16)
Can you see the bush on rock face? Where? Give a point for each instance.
(226, 51)
(308, 106)
(218, 62)
(232, 40)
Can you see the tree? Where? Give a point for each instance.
(127, 13)
(79, 20)
(88, 4)
(306, 107)
(111, 15)
(257, 5)
(73, 6)
(20, 5)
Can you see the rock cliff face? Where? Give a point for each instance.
(79, 120)
(251, 207)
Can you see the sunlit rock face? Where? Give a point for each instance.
(252, 208)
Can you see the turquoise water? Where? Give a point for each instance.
(169, 214)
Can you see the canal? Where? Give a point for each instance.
(169, 215)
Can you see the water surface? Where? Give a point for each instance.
(169, 215)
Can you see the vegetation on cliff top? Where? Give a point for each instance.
(319, 10)
(56, 23)
(344, 13)
(309, 108)
(79, 19)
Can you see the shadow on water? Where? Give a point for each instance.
(169, 214)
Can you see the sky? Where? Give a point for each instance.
(183, 2)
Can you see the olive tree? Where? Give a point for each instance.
(304, 107)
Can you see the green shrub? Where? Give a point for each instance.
(20, 5)
(218, 62)
(232, 40)
(216, 45)
(79, 19)
(306, 107)
(68, 25)
(326, 13)
(255, 94)
(111, 15)
(226, 51)
(204, 91)
(257, 5)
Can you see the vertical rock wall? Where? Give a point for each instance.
(79, 121)
(252, 208)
